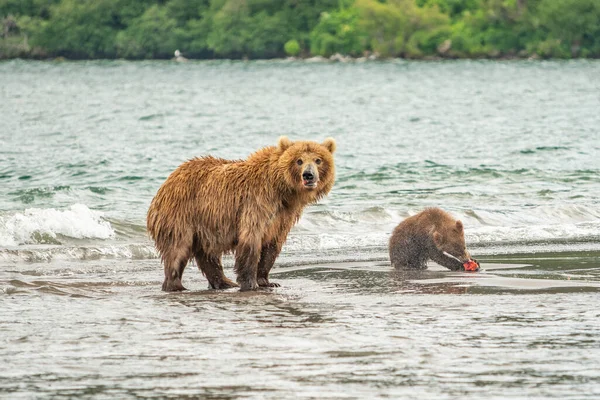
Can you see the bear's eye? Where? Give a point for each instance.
(299, 162)
(318, 161)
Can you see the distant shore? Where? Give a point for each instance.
(338, 30)
(335, 58)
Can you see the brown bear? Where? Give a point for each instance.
(209, 206)
(431, 234)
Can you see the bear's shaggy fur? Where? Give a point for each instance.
(428, 235)
(209, 206)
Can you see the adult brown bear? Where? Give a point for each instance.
(431, 234)
(209, 206)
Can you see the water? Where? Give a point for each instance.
(511, 148)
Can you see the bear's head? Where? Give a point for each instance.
(450, 240)
(307, 166)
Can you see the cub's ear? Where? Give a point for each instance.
(459, 226)
(438, 239)
(284, 142)
(329, 144)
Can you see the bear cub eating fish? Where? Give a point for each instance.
(430, 235)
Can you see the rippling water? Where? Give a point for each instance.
(511, 148)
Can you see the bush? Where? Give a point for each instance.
(425, 42)
(291, 47)
(495, 28)
(191, 38)
(237, 31)
(337, 32)
(552, 48)
(454, 8)
(399, 27)
(32, 8)
(149, 36)
(77, 30)
(574, 23)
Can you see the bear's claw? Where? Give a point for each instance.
(172, 286)
(224, 284)
(264, 282)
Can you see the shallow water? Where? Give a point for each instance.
(511, 148)
(525, 327)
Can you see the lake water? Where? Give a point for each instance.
(511, 148)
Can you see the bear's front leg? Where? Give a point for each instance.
(268, 256)
(247, 257)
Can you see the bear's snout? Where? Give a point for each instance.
(462, 257)
(310, 176)
(466, 256)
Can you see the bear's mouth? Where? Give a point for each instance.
(309, 184)
(468, 264)
(454, 257)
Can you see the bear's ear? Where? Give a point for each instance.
(459, 226)
(284, 142)
(329, 144)
(438, 239)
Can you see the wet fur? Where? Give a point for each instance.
(210, 206)
(426, 236)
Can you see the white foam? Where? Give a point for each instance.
(40, 253)
(304, 243)
(320, 232)
(353, 229)
(78, 221)
(533, 233)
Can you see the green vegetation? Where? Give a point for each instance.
(144, 29)
(292, 47)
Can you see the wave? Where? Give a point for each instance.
(47, 253)
(564, 221)
(47, 226)
(548, 226)
(78, 233)
(299, 249)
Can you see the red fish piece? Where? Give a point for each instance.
(471, 266)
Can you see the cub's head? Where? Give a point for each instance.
(307, 166)
(450, 239)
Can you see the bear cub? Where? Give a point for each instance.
(429, 235)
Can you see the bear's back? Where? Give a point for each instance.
(411, 240)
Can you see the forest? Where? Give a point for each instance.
(263, 29)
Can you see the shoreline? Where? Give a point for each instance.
(336, 58)
(549, 273)
(131, 251)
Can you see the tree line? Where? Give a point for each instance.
(153, 29)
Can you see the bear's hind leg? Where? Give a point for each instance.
(213, 271)
(268, 256)
(173, 274)
(175, 262)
